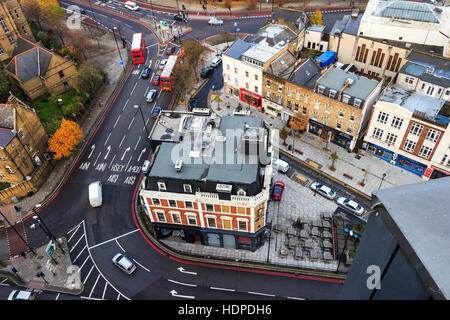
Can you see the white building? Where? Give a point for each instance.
(407, 21)
(316, 39)
(407, 130)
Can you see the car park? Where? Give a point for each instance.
(146, 166)
(216, 62)
(323, 190)
(170, 50)
(162, 64)
(206, 72)
(155, 112)
(22, 295)
(277, 191)
(215, 22)
(155, 80)
(151, 95)
(123, 263)
(145, 73)
(350, 205)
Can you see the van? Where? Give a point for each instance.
(95, 194)
(281, 165)
(130, 5)
(145, 166)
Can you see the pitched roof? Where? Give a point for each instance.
(237, 49)
(283, 65)
(7, 119)
(298, 17)
(307, 74)
(30, 60)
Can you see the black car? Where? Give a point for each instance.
(206, 72)
(145, 73)
(179, 17)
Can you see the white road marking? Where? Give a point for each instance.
(132, 120)
(122, 141)
(104, 290)
(118, 296)
(295, 298)
(133, 88)
(116, 121)
(141, 266)
(89, 273)
(76, 243)
(84, 262)
(182, 283)
(107, 138)
(76, 229)
(79, 253)
(125, 104)
(118, 237)
(111, 161)
(128, 163)
(261, 294)
(87, 298)
(57, 296)
(121, 248)
(97, 158)
(90, 294)
(222, 289)
(137, 142)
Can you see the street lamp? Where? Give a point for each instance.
(118, 50)
(384, 175)
(59, 103)
(21, 238)
(44, 227)
(143, 120)
(348, 234)
(93, 15)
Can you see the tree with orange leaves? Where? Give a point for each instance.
(65, 139)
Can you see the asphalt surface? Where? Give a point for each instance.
(114, 156)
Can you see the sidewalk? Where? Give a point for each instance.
(60, 278)
(363, 166)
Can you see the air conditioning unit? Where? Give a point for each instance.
(178, 165)
(224, 188)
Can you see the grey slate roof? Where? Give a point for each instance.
(30, 60)
(306, 74)
(7, 116)
(335, 79)
(347, 25)
(237, 49)
(421, 213)
(283, 65)
(199, 169)
(412, 100)
(298, 17)
(419, 71)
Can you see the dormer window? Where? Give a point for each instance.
(241, 192)
(320, 89)
(332, 94)
(162, 186)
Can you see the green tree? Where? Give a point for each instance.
(334, 157)
(317, 18)
(88, 79)
(193, 49)
(5, 86)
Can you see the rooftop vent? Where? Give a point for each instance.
(408, 45)
(224, 188)
(178, 165)
(350, 81)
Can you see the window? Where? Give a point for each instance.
(280, 88)
(316, 105)
(304, 110)
(297, 96)
(382, 117)
(325, 120)
(289, 93)
(246, 85)
(447, 92)
(242, 225)
(327, 109)
(209, 207)
(409, 80)
(256, 89)
(66, 84)
(391, 138)
(236, 81)
(341, 114)
(315, 115)
(444, 158)
(357, 103)
(18, 153)
(246, 74)
(425, 152)
(211, 222)
(2, 22)
(268, 83)
(162, 186)
(241, 192)
(320, 89)
(188, 204)
(10, 38)
(349, 129)
(176, 218)
(345, 98)
(305, 99)
(423, 86)
(397, 122)
(172, 203)
(296, 107)
(187, 188)
(433, 135)
(332, 94)
(21, 134)
(377, 133)
(430, 90)
(24, 30)
(1, 51)
(235, 70)
(228, 67)
(409, 145)
(61, 74)
(440, 90)
(156, 202)
(11, 171)
(352, 118)
(338, 125)
(416, 129)
(160, 215)
(192, 220)
(256, 77)
(17, 14)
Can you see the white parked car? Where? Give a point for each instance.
(123, 263)
(323, 190)
(350, 205)
(162, 64)
(21, 295)
(215, 22)
(216, 62)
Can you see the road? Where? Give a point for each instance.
(114, 156)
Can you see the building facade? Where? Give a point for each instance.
(24, 161)
(37, 70)
(217, 202)
(407, 130)
(12, 25)
(316, 39)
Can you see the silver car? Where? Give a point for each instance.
(350, 205)
(123, 263)
(215, 22)
(323, 190)
(151, 95)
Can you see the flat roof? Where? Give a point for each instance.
(262, 52)
(421, 213)
(412, 100)
(335, 79)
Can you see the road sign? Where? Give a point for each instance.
(121, 63)
(51, 248)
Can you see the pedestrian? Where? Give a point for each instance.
(23, 254)
(17, 208)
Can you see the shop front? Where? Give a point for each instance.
(379, 152)
(337, 137)
(341, 139)
(251, 98)
(434, 173)
(411, 165)
(273, 108)
(234, 240)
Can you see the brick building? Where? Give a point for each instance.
(37, 70)
(12, 25)
(210, 179)
(24, 162)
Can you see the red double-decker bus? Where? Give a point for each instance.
(138, 48)
(166, 74)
